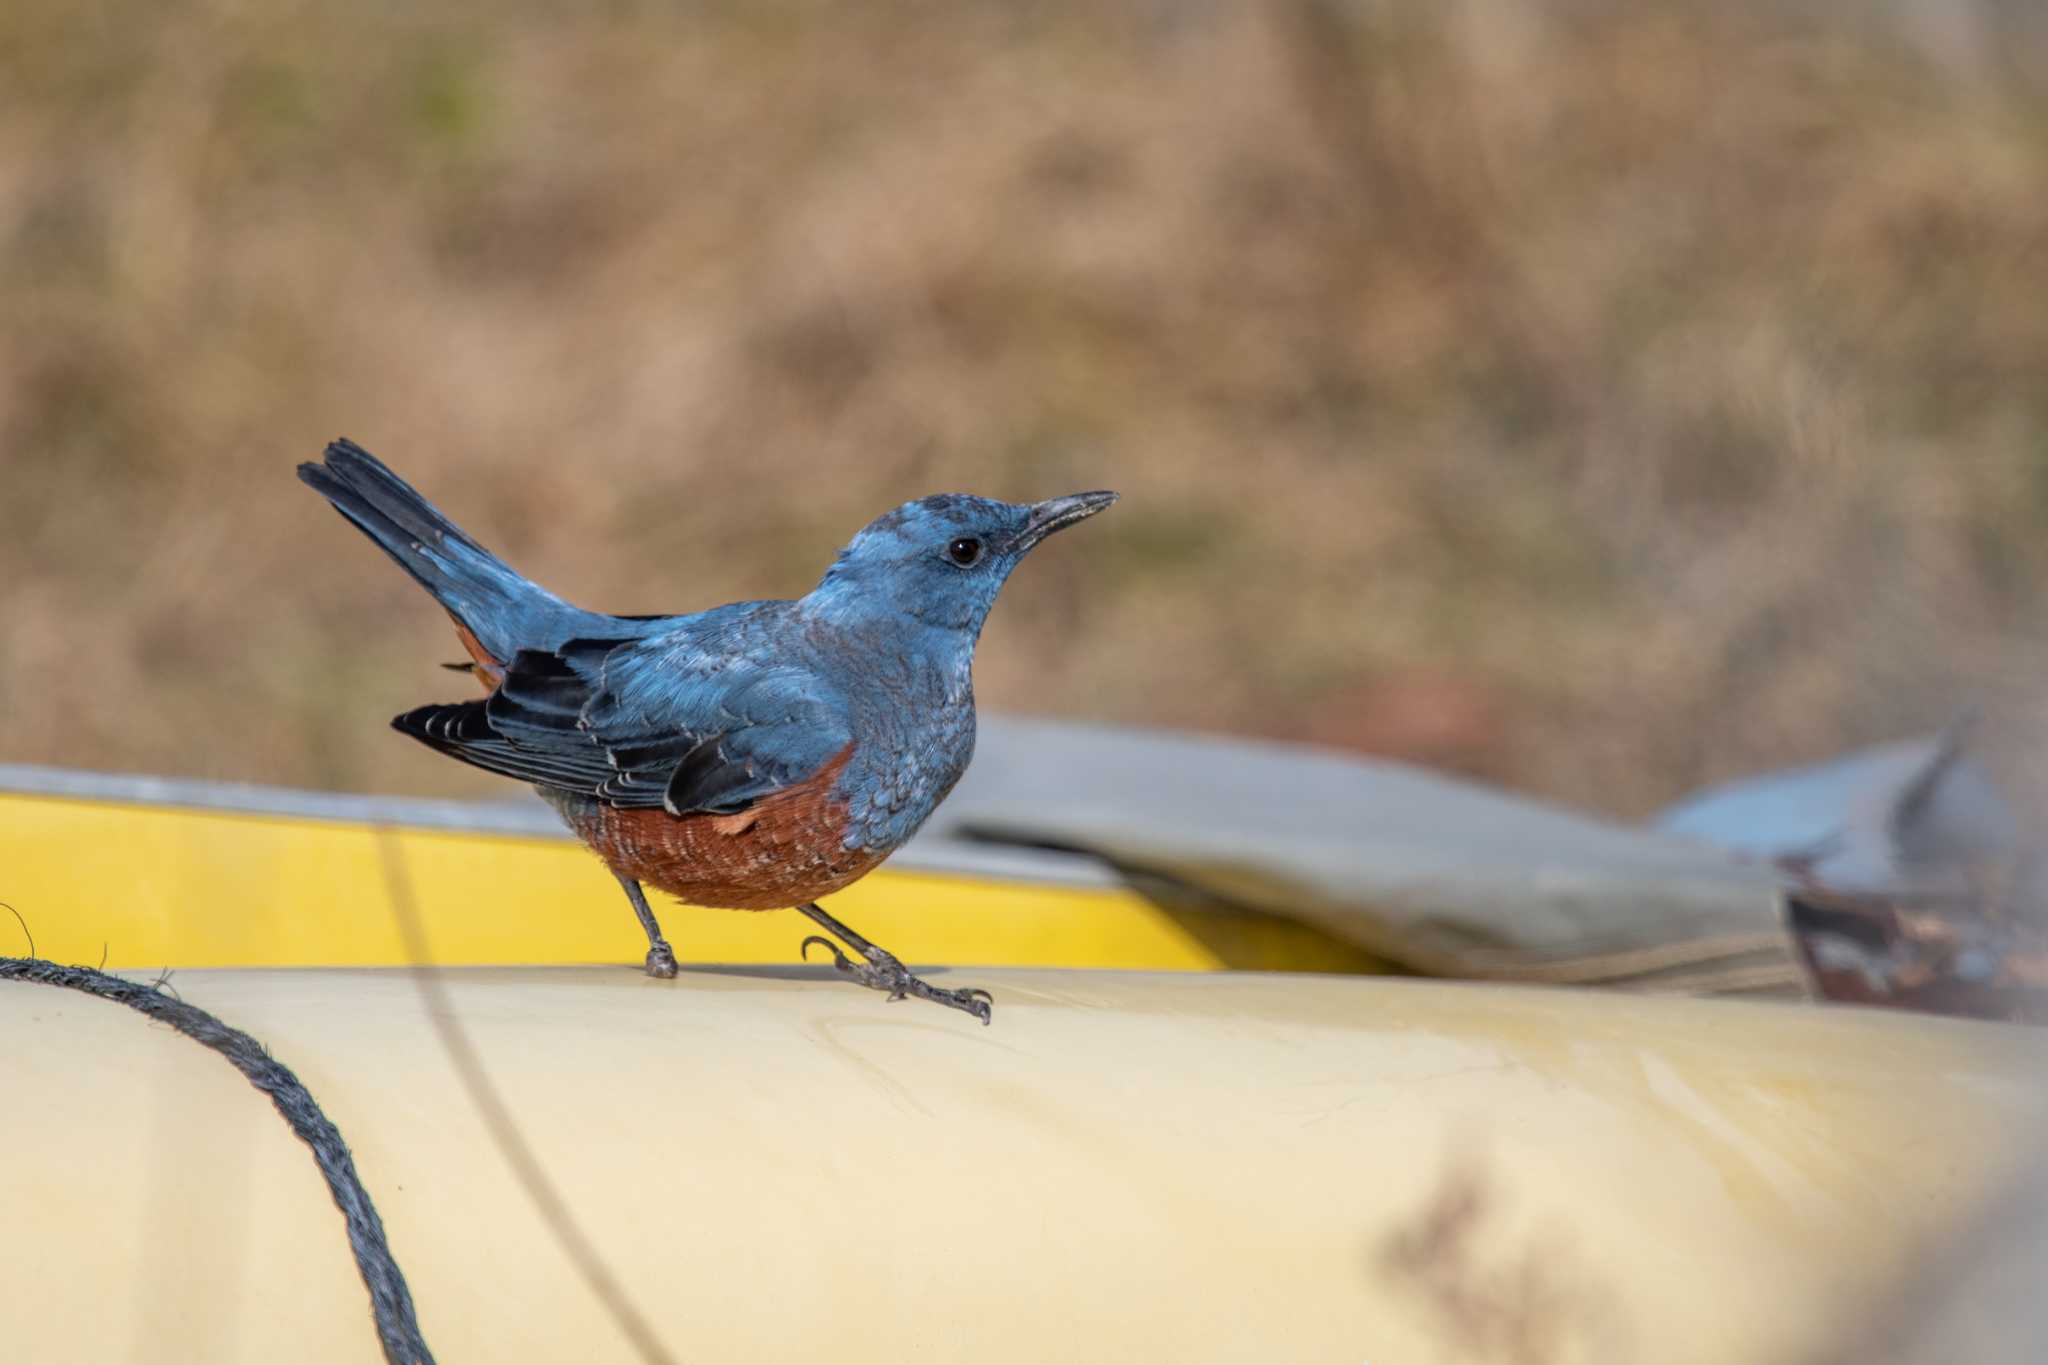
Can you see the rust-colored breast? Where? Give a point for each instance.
(781, 851)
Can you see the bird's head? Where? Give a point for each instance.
(940, 561)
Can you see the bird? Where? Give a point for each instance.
(758, 755)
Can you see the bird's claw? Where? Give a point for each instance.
(976, 1002)
(883, 972)
(661, 961)
(839, 958)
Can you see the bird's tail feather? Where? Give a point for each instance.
(502, 609)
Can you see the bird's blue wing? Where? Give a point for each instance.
(670, 721)
(752, 728)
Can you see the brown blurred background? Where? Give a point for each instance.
(1597, 397)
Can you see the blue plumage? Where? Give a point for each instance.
(865, 682)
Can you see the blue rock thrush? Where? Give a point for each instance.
(754, 756)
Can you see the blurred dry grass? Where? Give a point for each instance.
(1594, 396)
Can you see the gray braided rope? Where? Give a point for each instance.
(390, 1300)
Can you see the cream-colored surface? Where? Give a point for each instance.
(1125, 1167)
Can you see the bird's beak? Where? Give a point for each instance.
(1056, 514)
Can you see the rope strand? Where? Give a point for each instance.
(390, 1300)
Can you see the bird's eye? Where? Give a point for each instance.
(966, 552)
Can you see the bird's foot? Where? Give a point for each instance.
(661, 960)
(882, 972)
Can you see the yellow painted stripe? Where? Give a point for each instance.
(153, 886)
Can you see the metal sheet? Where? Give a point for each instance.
(1440, 875)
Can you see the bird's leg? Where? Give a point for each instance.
(881, 971)
(661, 959)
